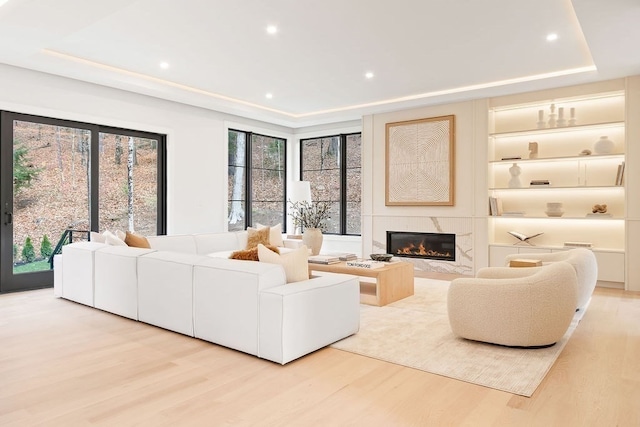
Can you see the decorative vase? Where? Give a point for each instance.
(312, 238)
(603, 146)
(561, 122)
(572, 119)
(552, 116)
(515, 171)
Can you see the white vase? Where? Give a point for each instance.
(312, 238)
(603, 146)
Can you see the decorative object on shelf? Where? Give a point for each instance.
(554, 209)
(552, 116)
(599, 208)
(539, 183)
(561, 120)
(533, 150)
(427, 179)
(511, 158)
(572, 117)
(515, 172)
(578, 245)
(541, 123)
(585, 152)
(381, 257)
(523, 238)
(603, 146)
(620, 174)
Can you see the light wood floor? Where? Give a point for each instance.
(64, 364)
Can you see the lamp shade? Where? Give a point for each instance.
(300, 191)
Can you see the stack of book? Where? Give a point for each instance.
(539, 182)
(495, 206)
(323, 259)
(620, 174)
(343, 256)
(365, 263)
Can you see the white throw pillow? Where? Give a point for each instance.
(97, 237)
(112, 239)
(275, 234)
(295, 263)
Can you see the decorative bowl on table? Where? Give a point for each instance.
(381, 257)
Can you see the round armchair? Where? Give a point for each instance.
(521, 307)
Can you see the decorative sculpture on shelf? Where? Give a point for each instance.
(523, 238)
(599, 208)
(515, 171)
(533, 150)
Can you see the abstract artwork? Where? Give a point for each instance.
(420, 162)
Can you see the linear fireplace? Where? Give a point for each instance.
(439, 246)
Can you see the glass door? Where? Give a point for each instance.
(61, 179)
(45, 191)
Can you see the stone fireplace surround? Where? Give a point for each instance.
(461, 227)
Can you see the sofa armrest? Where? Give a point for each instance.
(299, 318)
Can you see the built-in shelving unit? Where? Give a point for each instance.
(579, 176)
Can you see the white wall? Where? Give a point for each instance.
(196, 137)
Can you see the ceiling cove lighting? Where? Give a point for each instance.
(552, 37)
(368, 75)
(586, 69)
(271, 29)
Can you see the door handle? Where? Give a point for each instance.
(8, 218)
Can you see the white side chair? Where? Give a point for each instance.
(520, 307)
(582, 260)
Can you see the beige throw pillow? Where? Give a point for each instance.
(275, 234)
(295, 263)
(256, 237)
(112, 239)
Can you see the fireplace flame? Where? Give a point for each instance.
(411, 249)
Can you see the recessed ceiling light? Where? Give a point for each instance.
(3, 2)
(269, 95)
(551, 37)
(368, 75)
(272, 29)
(164, 65)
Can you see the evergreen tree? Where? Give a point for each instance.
(23, 171)
(28, 252)
(45, 247)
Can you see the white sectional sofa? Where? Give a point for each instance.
(188, 285)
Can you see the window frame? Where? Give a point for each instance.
(343, 177)
(248, 177)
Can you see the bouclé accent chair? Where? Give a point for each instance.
(520, 307)
(584, 263)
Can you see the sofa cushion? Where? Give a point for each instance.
(275, 234)
(295, 263)
(256, 237)
(251, 254)
(184, 243)
(136, 240)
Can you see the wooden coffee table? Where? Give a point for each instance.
(393, 282)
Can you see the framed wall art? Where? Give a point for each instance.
(420, 162)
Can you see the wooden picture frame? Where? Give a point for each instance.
(420, 162)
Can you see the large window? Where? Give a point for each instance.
(332, 165)
(257, 180)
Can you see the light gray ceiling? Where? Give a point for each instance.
(421, 51)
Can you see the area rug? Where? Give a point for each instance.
(415, 332)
